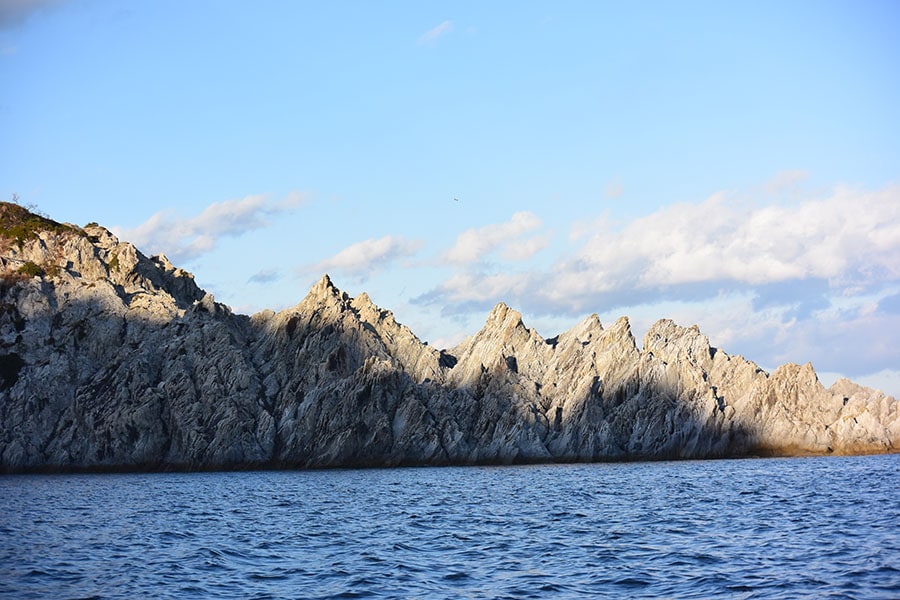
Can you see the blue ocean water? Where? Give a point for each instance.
(764, 528)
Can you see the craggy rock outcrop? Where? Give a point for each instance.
(112, 360)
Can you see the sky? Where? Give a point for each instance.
(734, 165)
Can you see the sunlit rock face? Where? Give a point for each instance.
(113, 360)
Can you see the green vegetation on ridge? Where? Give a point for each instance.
(19, 224)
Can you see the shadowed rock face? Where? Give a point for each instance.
(112, 360)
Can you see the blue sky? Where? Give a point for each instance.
(734, 165)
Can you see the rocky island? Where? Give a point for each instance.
(112, 360)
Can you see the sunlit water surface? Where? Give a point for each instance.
(779, 528)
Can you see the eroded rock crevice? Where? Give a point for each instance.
(113, 360)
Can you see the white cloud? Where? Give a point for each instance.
(363, 258)
(850, 238)
(480, 289)
(186, 238)
(814, 280)
(431, 36)
(583, 227)
(520, 250)
(474, 244)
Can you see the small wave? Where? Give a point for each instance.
(268, 576)
(688, 536)
(632, 582)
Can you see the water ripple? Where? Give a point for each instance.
(792, 528)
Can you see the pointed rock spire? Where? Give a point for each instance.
(337, 381)
(325, 290)
(323, 285)
(504, 317)
(588, 328)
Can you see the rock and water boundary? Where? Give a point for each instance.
(112, 360)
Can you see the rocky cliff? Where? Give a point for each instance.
(113, 360)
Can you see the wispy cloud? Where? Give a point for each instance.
(15, 12)
(432, 35)
(613, 189)
(786, 181)
(294, 199)
(474, 244)
(362, 259)
(186, 238)
(265, 276)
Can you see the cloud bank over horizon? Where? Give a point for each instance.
(814, 278)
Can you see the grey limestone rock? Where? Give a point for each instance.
(113, 360)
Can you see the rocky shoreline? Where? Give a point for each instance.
(111, 360)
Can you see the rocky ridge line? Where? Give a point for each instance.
(113, 360)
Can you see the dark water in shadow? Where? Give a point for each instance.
(780, 528)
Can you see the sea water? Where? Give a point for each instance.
(763, 528)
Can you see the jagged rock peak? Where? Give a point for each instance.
(323, 284)
(804, 373)
(504, 317)
(589, 324)
(371, 312)
(114, 360)
(584, 332)
(671, 341)
(325, 290)
(622, 324)
(622, 329)
(363, 300)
